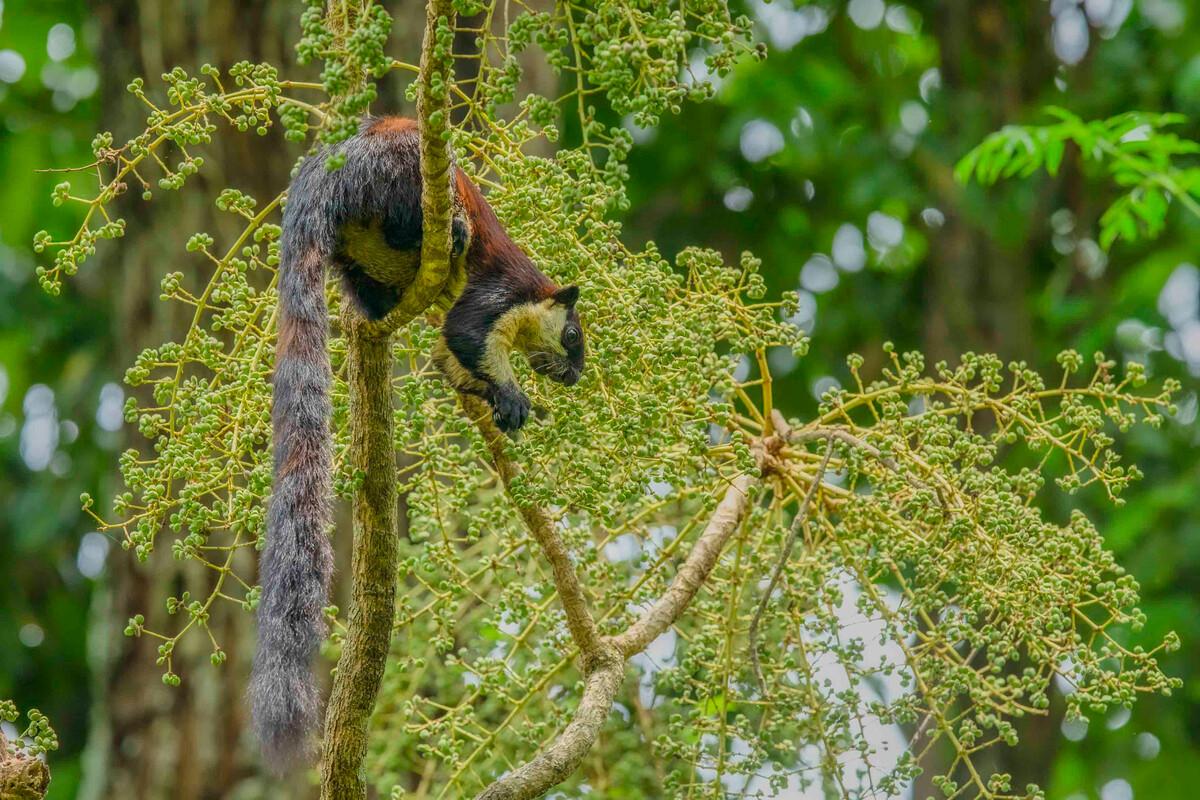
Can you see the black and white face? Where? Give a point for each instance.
(561, 358)
(572, 344)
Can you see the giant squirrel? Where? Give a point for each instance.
(364, 221)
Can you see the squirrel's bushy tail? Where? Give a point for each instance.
(295, 568)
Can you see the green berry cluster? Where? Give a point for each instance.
(352, 43)
(38, 738)
(187, 121)
(923, 563)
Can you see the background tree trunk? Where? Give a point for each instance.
(147, 740)
(977, 284)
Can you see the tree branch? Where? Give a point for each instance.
(437, 205)
(373, 588)
(700, 561)
(601, 662)
(557, 761)
(373, 593)
(798, 523)
(22, 777)
(570, 592)
(603, 659)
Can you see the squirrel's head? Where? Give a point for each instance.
(557, 351)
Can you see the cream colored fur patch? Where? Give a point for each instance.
(530, 328)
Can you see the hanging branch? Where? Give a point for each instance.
(602, 660)
(369, 345)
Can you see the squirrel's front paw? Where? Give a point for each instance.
(510, 408)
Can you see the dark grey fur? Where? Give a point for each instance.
(377, 181)
(297, 563)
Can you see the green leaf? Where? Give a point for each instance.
(1054, 155)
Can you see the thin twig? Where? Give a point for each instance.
(798, 523)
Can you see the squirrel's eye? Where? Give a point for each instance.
(571, 336)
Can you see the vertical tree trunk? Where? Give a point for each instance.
(372, 444)
(373, 596)
(149, 741)
(976, 288)
(995, 63)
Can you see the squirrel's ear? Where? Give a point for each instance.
(567, 296)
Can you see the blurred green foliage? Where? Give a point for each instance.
(54, 359)
(833, 162)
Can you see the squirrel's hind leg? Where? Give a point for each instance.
(373, 298)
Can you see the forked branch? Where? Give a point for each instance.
(603, 659)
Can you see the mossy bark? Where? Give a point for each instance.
(434, 276)
(372, 451)
(22, 777)
(373, 596)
